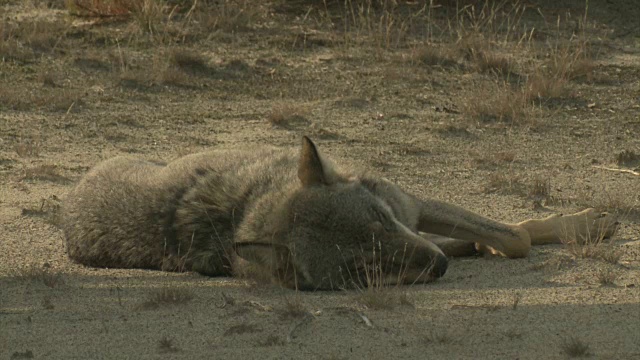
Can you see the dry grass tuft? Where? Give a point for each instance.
(376, 291)
(39, 36)
(47, 304)
(540, 191)
(486, 61)
(378, 298)
(44, 173)
(167, 296)
(46, 98)
(556, 263)
(166, 345)
(627, 158)
(287, 115)
(229, 15)
(603, 251)
(490, 160)
(48, 79)
(592, 246)
(172, 76)
(189, 60)
(441, 337)
(623, 204)
(505, 104)
(49, 210)
(272, 340)
(570, 61)
(294, 307)
(243, 328)
(148, 14)
(504, 183)
(172, 69)
(101, 8)
(550, 79)
(574, 347)
(27, 148)
(607, 276)
(432, 55)
(177, 20)
(513, 334)
(545, 86)
(43, 274)
(27, 354)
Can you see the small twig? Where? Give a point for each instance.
(226, 300)
(307, 318)
(365, 319)
(69, 109)
(257, 305)
(618, 170)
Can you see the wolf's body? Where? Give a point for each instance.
(291, 214)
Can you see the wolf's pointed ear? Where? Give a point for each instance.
(269, 255)
(310, 167)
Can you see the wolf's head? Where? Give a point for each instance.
(338, 232)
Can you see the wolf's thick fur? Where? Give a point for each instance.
(294, 216)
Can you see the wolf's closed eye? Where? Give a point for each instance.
(386, 221)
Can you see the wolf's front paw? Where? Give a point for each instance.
(591, 225)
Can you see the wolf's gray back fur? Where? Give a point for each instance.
(292, 214)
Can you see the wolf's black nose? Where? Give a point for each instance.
(440, 264)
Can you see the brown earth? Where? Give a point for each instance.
(404, 98)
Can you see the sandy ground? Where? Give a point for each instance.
(402, 121)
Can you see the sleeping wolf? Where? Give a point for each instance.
(296, 217)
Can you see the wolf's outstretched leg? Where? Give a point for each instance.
(441, 218)
(512, 240)
(586, 225)
(452, 247)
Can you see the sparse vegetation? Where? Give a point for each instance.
(460, 75)
(606, 276)
(189, 61)
(603, 198)
(505, 104)
(516, 301)
(505, 183)
(574, 347)
(556, 263)
(486, 61)
(47, 304)
(168, 296)
(491, 160)
(46, 98)
(540, 192)
(27, 148)
(513, 334)
(243, 328)
(378, 298)
(595, 248)
(43, 274)
(294, 307)
(27, 354)
(167, 345)
(44, 173)
(376, 292)
(441, 337)
(431, 55)
(286, 115)
(627, 158)
(49, 210)
(272, 340)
